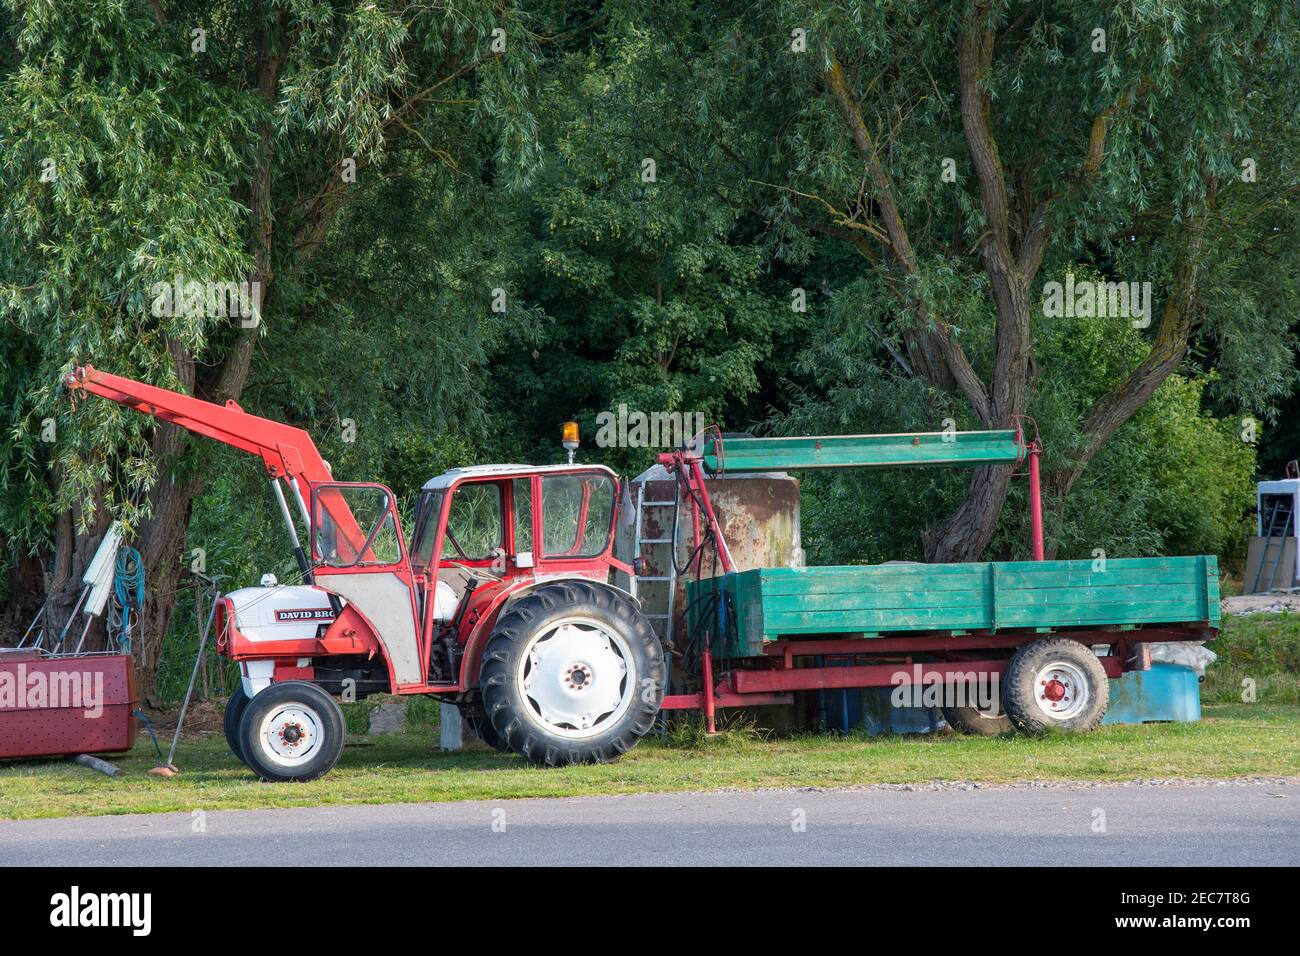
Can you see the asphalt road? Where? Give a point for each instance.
(1238, 823)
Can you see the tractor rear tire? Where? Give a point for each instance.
(292, 731)
(1055, 684)
(979, 723)
(573, 673)
(230, 721)
(482, 727)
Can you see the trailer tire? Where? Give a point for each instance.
(1055, 684)
(292, 731)
(596, 692)
(230, 721)
(482, 727)
(977, 722)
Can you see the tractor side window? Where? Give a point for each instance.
(354, 525)
(521, 489)
(576, 514)
(474, 525)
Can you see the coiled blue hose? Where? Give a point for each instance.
(128, 593)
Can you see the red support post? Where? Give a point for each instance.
(710, 707)
(697, 480)
(1035, 503)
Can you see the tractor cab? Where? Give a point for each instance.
(481, 537)
(513, 524)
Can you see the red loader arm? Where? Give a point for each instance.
(287, 451)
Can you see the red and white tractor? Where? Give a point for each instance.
(500, 604)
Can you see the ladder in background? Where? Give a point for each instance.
(1278, 529)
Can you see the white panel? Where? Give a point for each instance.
(256, 676)
(386, 602)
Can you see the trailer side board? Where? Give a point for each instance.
(748, 608)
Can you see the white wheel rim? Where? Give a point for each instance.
(291, 734)
(577, 678)
(1061, 690)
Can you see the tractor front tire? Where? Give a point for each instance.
(1055, 684)
(230, 720)
(573, 673)
(292, 731)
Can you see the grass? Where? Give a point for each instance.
(1263, 648)
(1234, 739)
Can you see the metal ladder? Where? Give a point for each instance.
(671, 577)
(1279, 529)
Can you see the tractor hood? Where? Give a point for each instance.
(281, 613)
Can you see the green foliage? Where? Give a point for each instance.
(115, 165)
(656, 294)
(1263, 649)
(506, 261)
(1174, 480)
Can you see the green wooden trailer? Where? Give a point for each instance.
(770, 604)
(1046, 634)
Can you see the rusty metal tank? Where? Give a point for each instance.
(759, 515)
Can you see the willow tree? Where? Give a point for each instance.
(969, 151)
(177, 142)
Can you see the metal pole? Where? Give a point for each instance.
(58, 645)
(301, 500)
(697, 476)
(303, 564)
(203, 644)
(1035, 503)
(710, 708)
(31, 627)
(84, 631)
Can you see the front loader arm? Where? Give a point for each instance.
(288, 452)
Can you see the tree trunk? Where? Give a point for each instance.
(25, 587)
(161, 539)
(72, 555)
(966, 532)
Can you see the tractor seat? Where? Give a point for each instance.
(445, 601)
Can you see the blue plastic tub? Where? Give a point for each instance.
(1166, 692)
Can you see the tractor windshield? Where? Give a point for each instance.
(475, 529)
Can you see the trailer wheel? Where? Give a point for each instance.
(291, 731)
(1055, 683)
(573, 673)
(482, 727)
(992, 722)
(230, 720)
